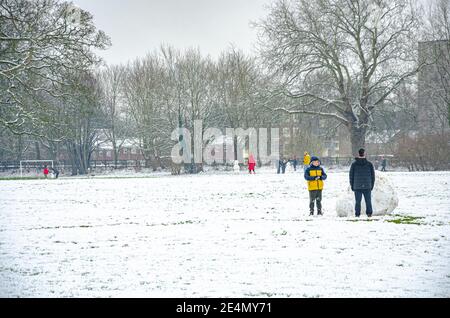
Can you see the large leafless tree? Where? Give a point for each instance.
(340, 59)
(116, 119)
(437, 59)
(40, 42)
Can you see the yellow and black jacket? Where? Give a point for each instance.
(306, 160)
(311, 173)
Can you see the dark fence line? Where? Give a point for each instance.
(347, 161)
(124, 164)
(65, 164)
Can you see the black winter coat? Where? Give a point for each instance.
(362, 175)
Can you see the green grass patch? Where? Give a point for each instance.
(77, 178)
(253, 195)
(117, 177)
(19, 178)
(261, 294)
(282, 233)
(396, 219)
(180, 223)
(407, 219)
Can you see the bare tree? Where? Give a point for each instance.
(434, 80)
(238, 86)
(13, 147)
(340, 59)
(81, 115)
(40, 41)
(198, 76)
(116, 120)
(143, 92)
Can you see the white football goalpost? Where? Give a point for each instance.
(22, 162)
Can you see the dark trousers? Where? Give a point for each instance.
(367, 197)
(315, 195)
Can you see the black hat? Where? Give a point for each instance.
(361, 152)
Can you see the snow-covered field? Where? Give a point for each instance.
(222, 235)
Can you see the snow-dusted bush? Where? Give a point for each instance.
(384, 199)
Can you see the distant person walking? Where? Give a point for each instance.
(306, 161)
(294, 163)
(251, 164)
(383, 164)
(278, 165)
(362, 181)
(283, 164)
(315, 175)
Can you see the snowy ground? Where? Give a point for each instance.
(220, 235)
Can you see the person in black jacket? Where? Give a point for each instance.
(362, 181)
(283, 163)
(55, 172)
(383, 164)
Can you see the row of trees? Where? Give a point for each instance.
(46, 77)
(428, 148)
(351, 63)
(168, 89)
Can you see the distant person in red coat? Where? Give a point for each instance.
(251, 164)
(46, 172)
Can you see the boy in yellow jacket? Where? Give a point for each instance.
(315, 175)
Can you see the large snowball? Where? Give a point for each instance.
(384, 199)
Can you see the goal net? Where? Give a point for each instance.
(34, 167)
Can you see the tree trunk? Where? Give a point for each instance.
(80, 159)
(20, 148)
(291, 136)
(146, 152)
(358, 139)
(448, 113)
(38, 150)
(235, 147)
(73, 159)
(116, 154)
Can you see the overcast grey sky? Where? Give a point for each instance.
(139, 26)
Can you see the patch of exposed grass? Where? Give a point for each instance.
(179, 223)
(19, 178)
(117, 177)
(362, 220)
(281, 233)
(252, 195)
(77, 177)
(407, 219)
(261, 294)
